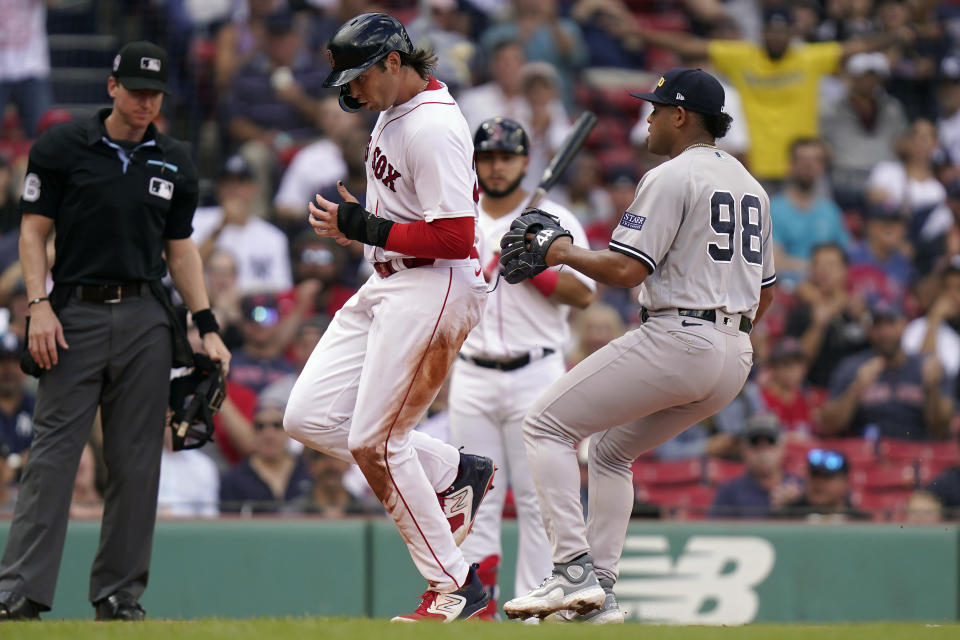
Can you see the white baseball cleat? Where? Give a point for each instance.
(609, 613)
(572, 586)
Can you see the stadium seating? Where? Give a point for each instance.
(888, 477)
(884, 505)
(681, 502)
(674, 472)
(720, 471)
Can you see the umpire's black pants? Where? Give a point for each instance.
(119, 359)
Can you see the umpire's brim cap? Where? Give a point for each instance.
(692, 89)
(142, 65)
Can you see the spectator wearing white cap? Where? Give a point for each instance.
(861, 127)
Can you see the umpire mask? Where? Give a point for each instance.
(194, 399)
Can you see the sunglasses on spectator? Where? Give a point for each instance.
(826, 462)
(261, 425)
(755, 441)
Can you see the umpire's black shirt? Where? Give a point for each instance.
(113, 204)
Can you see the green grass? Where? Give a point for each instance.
(359, 629)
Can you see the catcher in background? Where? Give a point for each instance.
(697, 237)
(509, 359)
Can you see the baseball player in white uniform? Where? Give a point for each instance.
(385, 354)
(697, 237)
(509, 359)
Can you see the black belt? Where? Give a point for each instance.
(110, 293)
(710, 315)
(504, 365)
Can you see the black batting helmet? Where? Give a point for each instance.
(362, 42)
(358, 44)
(501, 134)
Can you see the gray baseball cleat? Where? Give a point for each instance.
(609, 613)
(572, 585)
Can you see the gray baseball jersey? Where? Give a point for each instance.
(701, 223)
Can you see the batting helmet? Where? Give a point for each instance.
(360, 43)
(194, 399)
(501, 134)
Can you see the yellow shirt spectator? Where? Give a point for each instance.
(780, 97)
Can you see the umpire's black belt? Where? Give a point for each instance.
(110, 293)
(505, 365)
(710, 315)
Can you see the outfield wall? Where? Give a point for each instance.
(704, 573)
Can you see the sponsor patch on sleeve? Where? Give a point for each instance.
(632, 221)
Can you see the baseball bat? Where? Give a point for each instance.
(564, 155)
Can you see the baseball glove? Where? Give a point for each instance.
(522, 259)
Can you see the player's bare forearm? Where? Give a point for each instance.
(607, 267)
(571, 290)
(766, 299)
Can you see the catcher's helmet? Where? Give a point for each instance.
(501, 134)
(194, 399)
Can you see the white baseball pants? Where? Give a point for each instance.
(368, 383)
(487, 408)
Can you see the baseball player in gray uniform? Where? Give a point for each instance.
(697, 237)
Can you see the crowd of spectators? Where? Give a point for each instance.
(848, 112)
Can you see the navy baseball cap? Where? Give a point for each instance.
(142, 65)
(692, 89)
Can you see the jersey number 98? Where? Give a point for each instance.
(724, 214)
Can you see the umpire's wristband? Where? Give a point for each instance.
(206, 322)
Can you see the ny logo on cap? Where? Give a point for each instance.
(150, 64)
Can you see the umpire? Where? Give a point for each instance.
(121, 198)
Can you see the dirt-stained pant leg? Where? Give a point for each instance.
(320, 409)
(660, 367)
(421, 317)
(487, 408)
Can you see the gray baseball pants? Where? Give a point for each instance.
(654, 382)
(119, 360)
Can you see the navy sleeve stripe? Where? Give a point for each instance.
(633, 253)
(769, 281)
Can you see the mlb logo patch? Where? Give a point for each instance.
(161, 188)
(150, 64)
(632, 221)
